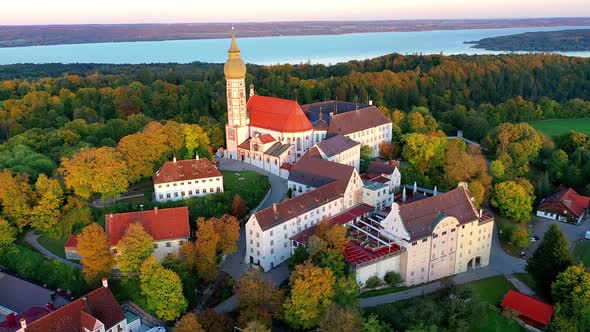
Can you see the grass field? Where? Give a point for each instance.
(56, 246)
(506, 226)
(383, 291)
(556, 127)
(495, 322)
(490, 290)
(582, 252)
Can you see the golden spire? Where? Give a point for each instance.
(234, 44)
(234, 66)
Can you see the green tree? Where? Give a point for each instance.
(373, 324)
(162, 290)
(424, 152)
(337, 319)
(497, 170)
(551, 257)
(520, 237)
(135, 246)
(366, 156)
(346, 292)
(188, 323)
(15, 196)
(7, 233)
(571, 291)
(512, 200)
(557, 166)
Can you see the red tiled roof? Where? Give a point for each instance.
(528, 307)
(102, 305)
(72, 242)
(182, 170)
(161, 224)
(313, 171)
(266, 138)
(355, 121)
(277, 114)
(30, 315)
(287, 166)
(87, 321)
(419, 217)
(570, 199)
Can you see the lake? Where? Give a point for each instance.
(269, 50)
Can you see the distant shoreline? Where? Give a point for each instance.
(43, 35)
(545, 41)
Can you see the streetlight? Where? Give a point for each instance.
(141, 207)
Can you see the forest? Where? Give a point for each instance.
(546, 41)
(73, 133)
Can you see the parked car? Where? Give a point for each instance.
(535, 238)
(587, 236)
(523, 255)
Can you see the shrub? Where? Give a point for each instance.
(373, 282)
(392, 278)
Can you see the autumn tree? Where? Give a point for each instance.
(188, 252)
(312, 289)
(512, 200)
(206, 248)
(93, 248)
(238, 207)
(7, 233)
(15, 196)
(162, 289)
(228, 229)
(478, 192)
(133, 248)
(424, 152)
(338, 319)
(95, 171)
(389, 150)
(258, 299)
(188, 323)
(47, 213)
(557, 165)
(551, 257)
(194, 138)
(516, 145)
(520, 237)
(256, 326)
(212, 321)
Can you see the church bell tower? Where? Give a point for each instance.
(236, 130)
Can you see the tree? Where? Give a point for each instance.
(520, 142)
(212, 321)
(188, 251)
(557, 165)
(93, 248)
(366, 155)
(15, 196)
(188, 323)
(312, 289)
(256, 326)
(7, 233)
(551, 257)
(372, 324)
(424, 152)
(206, 248)
(497, 169)
(95, 171)
(228, 228)
(258, 299)
(238, 207)
(520, 237)
(388, 150)
(338, 319)
(46, 214)
(512, 200)
(478, 192)
(133, 248)
(571, 290)
(346, 292)
(162, 290)
(300, 255)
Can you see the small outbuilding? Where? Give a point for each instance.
(565, 205)
(531, 311)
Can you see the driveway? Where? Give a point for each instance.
(540, 225)
(235, 264)
(32, 239)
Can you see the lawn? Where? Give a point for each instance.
(556, 127)
(582, 252)
(490, 290)
(251, 186)
(495, 322)
(56, 246)
(505, 227)
(383, 291)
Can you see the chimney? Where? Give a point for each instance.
(370, 102)
(480, 213)
(49, 306)
(174, 159)
(11, 319)
(86, 306)
(197, 156)
(274, 207)
(155, 209)
(23, 324)
(331, 114)
(110, 216)
(105, 283)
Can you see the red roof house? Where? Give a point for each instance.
(277, 114)
(565, 205)
(530, 310)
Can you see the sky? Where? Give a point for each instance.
(188, 11)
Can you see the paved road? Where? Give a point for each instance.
(235, 264)
(31, 238)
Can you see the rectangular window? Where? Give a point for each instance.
(155, 246)
(285, 244)
(181, 242)
(159, 186)
(452, 230)
(190, 182)
(444, 233)
(272, 251)
(270, 233)
(218, 189)
(272, 242)
(217, 179)
(414, 243)
(211, 190)
(197, 191)
(161, 196)
(167, 244)
(424, 240)
(190, 192)
(176, 194)
(202, 181)
(182, 183)
(174, 184)
(182, 193)
(168, 195)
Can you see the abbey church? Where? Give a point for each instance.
(273, 133)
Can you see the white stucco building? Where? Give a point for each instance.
(183, 179)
